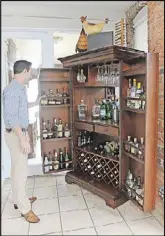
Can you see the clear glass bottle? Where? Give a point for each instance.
(61, 159)
(65, 95)
(66, 158)
(66, 131)
(50, 161)
(44, 130)
(51, 100)
(141, 149)
(129, 89)
(82, 76)
(82, 110)
(44, 101)
(58, 100)
(46, 162)
(50, 132)
(133, 89)
(56, 161)
(55, 128)
(79, 137)
(60, 129)
(96, 110)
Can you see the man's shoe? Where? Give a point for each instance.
(31, 217)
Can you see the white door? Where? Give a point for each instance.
(29, 46)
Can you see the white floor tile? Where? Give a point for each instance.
(45, 206)
(7, 185)
(160, 219)
(45, 192)
(58, 233)
(129, 211)
(4, 197)
(30, 182)
(105, 215)
(88, 231)
(72, 203)
(60, 180)
(67, 190)
(29, 192)
(10, 212)
(47, 224)
(85, 191)
(114, 229)
(73, 220)
(15, 227)
(147, 226)
(45, 181)
(94, 201)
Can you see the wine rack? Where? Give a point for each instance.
(108, 176)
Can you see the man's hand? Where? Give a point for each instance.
(25, 145)
(36, 103)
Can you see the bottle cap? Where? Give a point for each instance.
(135, 140)
(139, 85)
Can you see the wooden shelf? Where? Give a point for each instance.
(134, 110)
(94, 86)
(99, 122)
(55, 139)
(48, 106)
(134, 72)
(136, 99)
(55, 80)
(88, 150)
(133, 157)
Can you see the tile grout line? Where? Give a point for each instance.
(89, 211)
(31, 207)
(6, 201)
(158, 221)
(125, 221)
(59, 207)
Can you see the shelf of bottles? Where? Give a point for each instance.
(55, 130)
(58, 99)
(134, 149)
(134, 189)
(136, 97)
(57, 161)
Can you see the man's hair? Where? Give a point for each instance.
(21, 65)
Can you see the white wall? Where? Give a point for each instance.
(141, 30)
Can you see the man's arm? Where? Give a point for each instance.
(36, 103)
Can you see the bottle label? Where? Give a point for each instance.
(67, 134)
(102, 112)
(45, 135)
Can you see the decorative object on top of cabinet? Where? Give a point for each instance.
(120, 33)
(91, 28)
(132, 174)
(82, 43)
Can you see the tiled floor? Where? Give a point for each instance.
(70, 210)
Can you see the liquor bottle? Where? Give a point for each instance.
(141, 149)
(103, 110)
(88, 138)
(60, 129)
(65, 95)
(44, 130)
(44, 101)
(55, 128)
(143, 105)
(50, 133)
(133, 147)
(61, 159)
(51, 100)
(127, 146)
(129, 89)
(133, 89)
(53, 161)
(56, 162)
(96, 110)
(50, 161)
(79, 139)
(66, 158)
(46, 162)
(82, 76)
(58, 100)
(85, 138)
(139, 90)
(108, 111)
(78, 75)
(82, 110)
(66, 131)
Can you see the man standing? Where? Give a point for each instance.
(16, 121)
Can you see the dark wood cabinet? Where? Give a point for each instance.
(109, 181)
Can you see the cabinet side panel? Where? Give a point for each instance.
(151, 130)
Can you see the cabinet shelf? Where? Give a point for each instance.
(134, 110)
(56, 139)
(98, 122)
(94, 86)
(133, 157)
(59, 106)
(138, 99)
(134, 72)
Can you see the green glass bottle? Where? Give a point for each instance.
(103, 110)
(108, 111)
